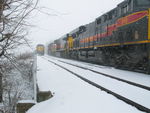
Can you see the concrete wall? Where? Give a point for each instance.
(24, 107)
(43, 95)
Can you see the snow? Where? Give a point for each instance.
(140, 78)
(121, 88)
(72, 95)
(17, 82)
(1, 104)
(27, 101)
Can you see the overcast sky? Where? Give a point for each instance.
(58, 17)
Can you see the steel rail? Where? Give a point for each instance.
(110, 76)
(128, 101)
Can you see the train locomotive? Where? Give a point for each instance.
(40, 49)
(118, 38)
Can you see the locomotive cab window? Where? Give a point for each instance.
(74, 35)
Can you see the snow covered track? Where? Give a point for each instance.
(132, 101)
(133, 78)
(110, 76)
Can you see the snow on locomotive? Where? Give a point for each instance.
(119, 38)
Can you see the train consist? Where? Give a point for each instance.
(119, 38)
(40, 49)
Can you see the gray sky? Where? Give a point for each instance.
(62, 16)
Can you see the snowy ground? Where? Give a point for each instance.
(121, 88)
(72, 95)
(141, 78)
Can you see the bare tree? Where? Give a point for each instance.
(17, 81)
(14, 14)
(13, 23)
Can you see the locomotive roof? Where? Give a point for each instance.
(76, 30)
(123, 3)
(120, 4)
(40, 45)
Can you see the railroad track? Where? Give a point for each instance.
(123, 98)
(110, 76)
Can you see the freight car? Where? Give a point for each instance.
(40, 49)
(119, 38)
